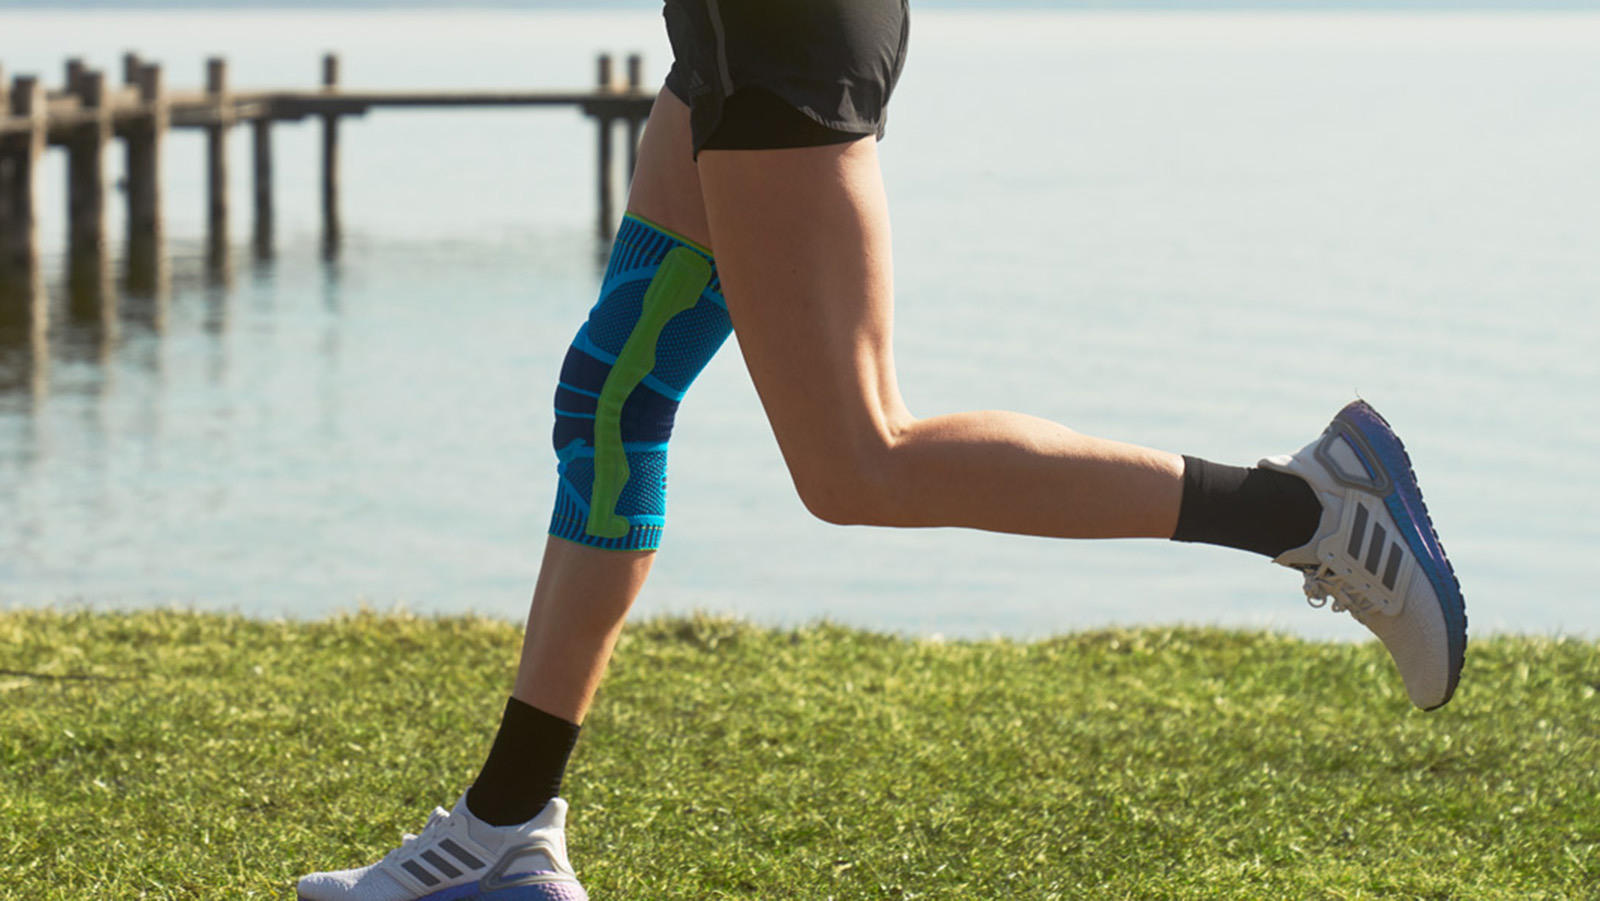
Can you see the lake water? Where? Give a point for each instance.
(1201, 232)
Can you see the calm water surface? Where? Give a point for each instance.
(1204, 233)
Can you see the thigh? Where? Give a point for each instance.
(800, 234)
(803, 249)
(666, 183)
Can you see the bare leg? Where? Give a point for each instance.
(583, 594)
(802, 244)
(579, 604)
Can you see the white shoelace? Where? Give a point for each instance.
(1323, 584)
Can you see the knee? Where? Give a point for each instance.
(851, 487)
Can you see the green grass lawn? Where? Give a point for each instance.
(178, 755)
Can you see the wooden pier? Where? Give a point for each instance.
(89, 113)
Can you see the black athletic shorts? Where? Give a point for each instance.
(744, 67)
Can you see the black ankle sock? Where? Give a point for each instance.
(525, 766)
(1259, 510)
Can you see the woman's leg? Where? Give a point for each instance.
(583, 594)
(802, 243)
(802, 240)
(580, 601)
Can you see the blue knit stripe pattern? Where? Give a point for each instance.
(686, 345)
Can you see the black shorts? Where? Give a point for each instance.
(833, 61)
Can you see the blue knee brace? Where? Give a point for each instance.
(659, 321)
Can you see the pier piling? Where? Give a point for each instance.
(603, 117)
(635, 84)
(89, 267)
(74, 74)
(86, 166)
(146, 137)
(217, 157)
(5, 160)
(330, 160)
(19, 196)
(262, 133)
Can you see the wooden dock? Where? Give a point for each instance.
(89, 113)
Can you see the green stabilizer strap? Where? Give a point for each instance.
(675, 288)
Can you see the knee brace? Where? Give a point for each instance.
(659, 321)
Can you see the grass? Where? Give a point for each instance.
(181, 755)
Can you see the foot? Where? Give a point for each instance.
(1375, 553)
(459, 856)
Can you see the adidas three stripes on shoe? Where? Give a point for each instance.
(458, 856)
(1376, 554)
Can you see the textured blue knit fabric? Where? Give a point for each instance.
(686, 345)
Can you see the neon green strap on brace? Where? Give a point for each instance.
(676, 287)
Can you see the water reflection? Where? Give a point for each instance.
(149, 274)
(78, 311)
(219, 264)
(261, 244)
(24, 326)
(332, 240)
(196, 440)
(91, 326)
(146, 308)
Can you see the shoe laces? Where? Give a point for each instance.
(1324, 584)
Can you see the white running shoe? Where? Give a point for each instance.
(1376, 553)
(459, 856)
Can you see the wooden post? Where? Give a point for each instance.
(262, 129)
(89, 270)
(131, 67)
(146, 230)
(74, 75)
(6, 186)
(604, 162)
(635, 83)
(330, 160)
(21, 284)
(217, 155)
(86, 187)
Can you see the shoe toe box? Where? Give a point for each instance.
(1417, 639)
(361, 884)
